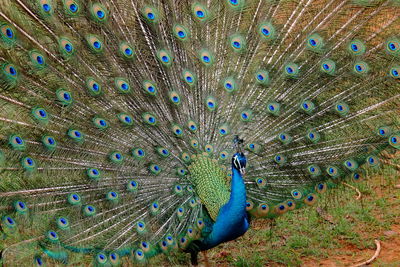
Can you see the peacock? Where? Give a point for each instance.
(134, 128)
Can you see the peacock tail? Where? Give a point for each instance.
(117, 117)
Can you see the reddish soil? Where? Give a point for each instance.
(350, 255)
(347, 255)
(389, 255)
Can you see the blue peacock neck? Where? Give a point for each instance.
(237, 200)
(232, 220)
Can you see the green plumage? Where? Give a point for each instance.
(210, 183)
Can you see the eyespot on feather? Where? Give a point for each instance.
(206, 57)
(165, 57)
(291, 70)
(181, 32)
(150, 14)
(262, 77)
(211, 103)
(98, 13)
(356, 48)
(125, 119)
(126, 51)
(149, 87)
(200, 12)
(274, 108)
(122, 85)
(93, 86)
(267, 31)
(72, 8)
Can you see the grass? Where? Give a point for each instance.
(305, 238)
(341, 235)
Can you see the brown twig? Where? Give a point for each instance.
(355, 188)
(378, 250)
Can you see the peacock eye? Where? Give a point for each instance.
(236, 162)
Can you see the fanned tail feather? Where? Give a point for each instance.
(112, 110)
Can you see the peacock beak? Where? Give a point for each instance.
(242, 171)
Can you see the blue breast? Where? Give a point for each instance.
(232, 221)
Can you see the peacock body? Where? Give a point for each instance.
(134, 128)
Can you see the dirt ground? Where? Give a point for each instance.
(390, 253)
(348, 254)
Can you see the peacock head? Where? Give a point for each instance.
(239, 162)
